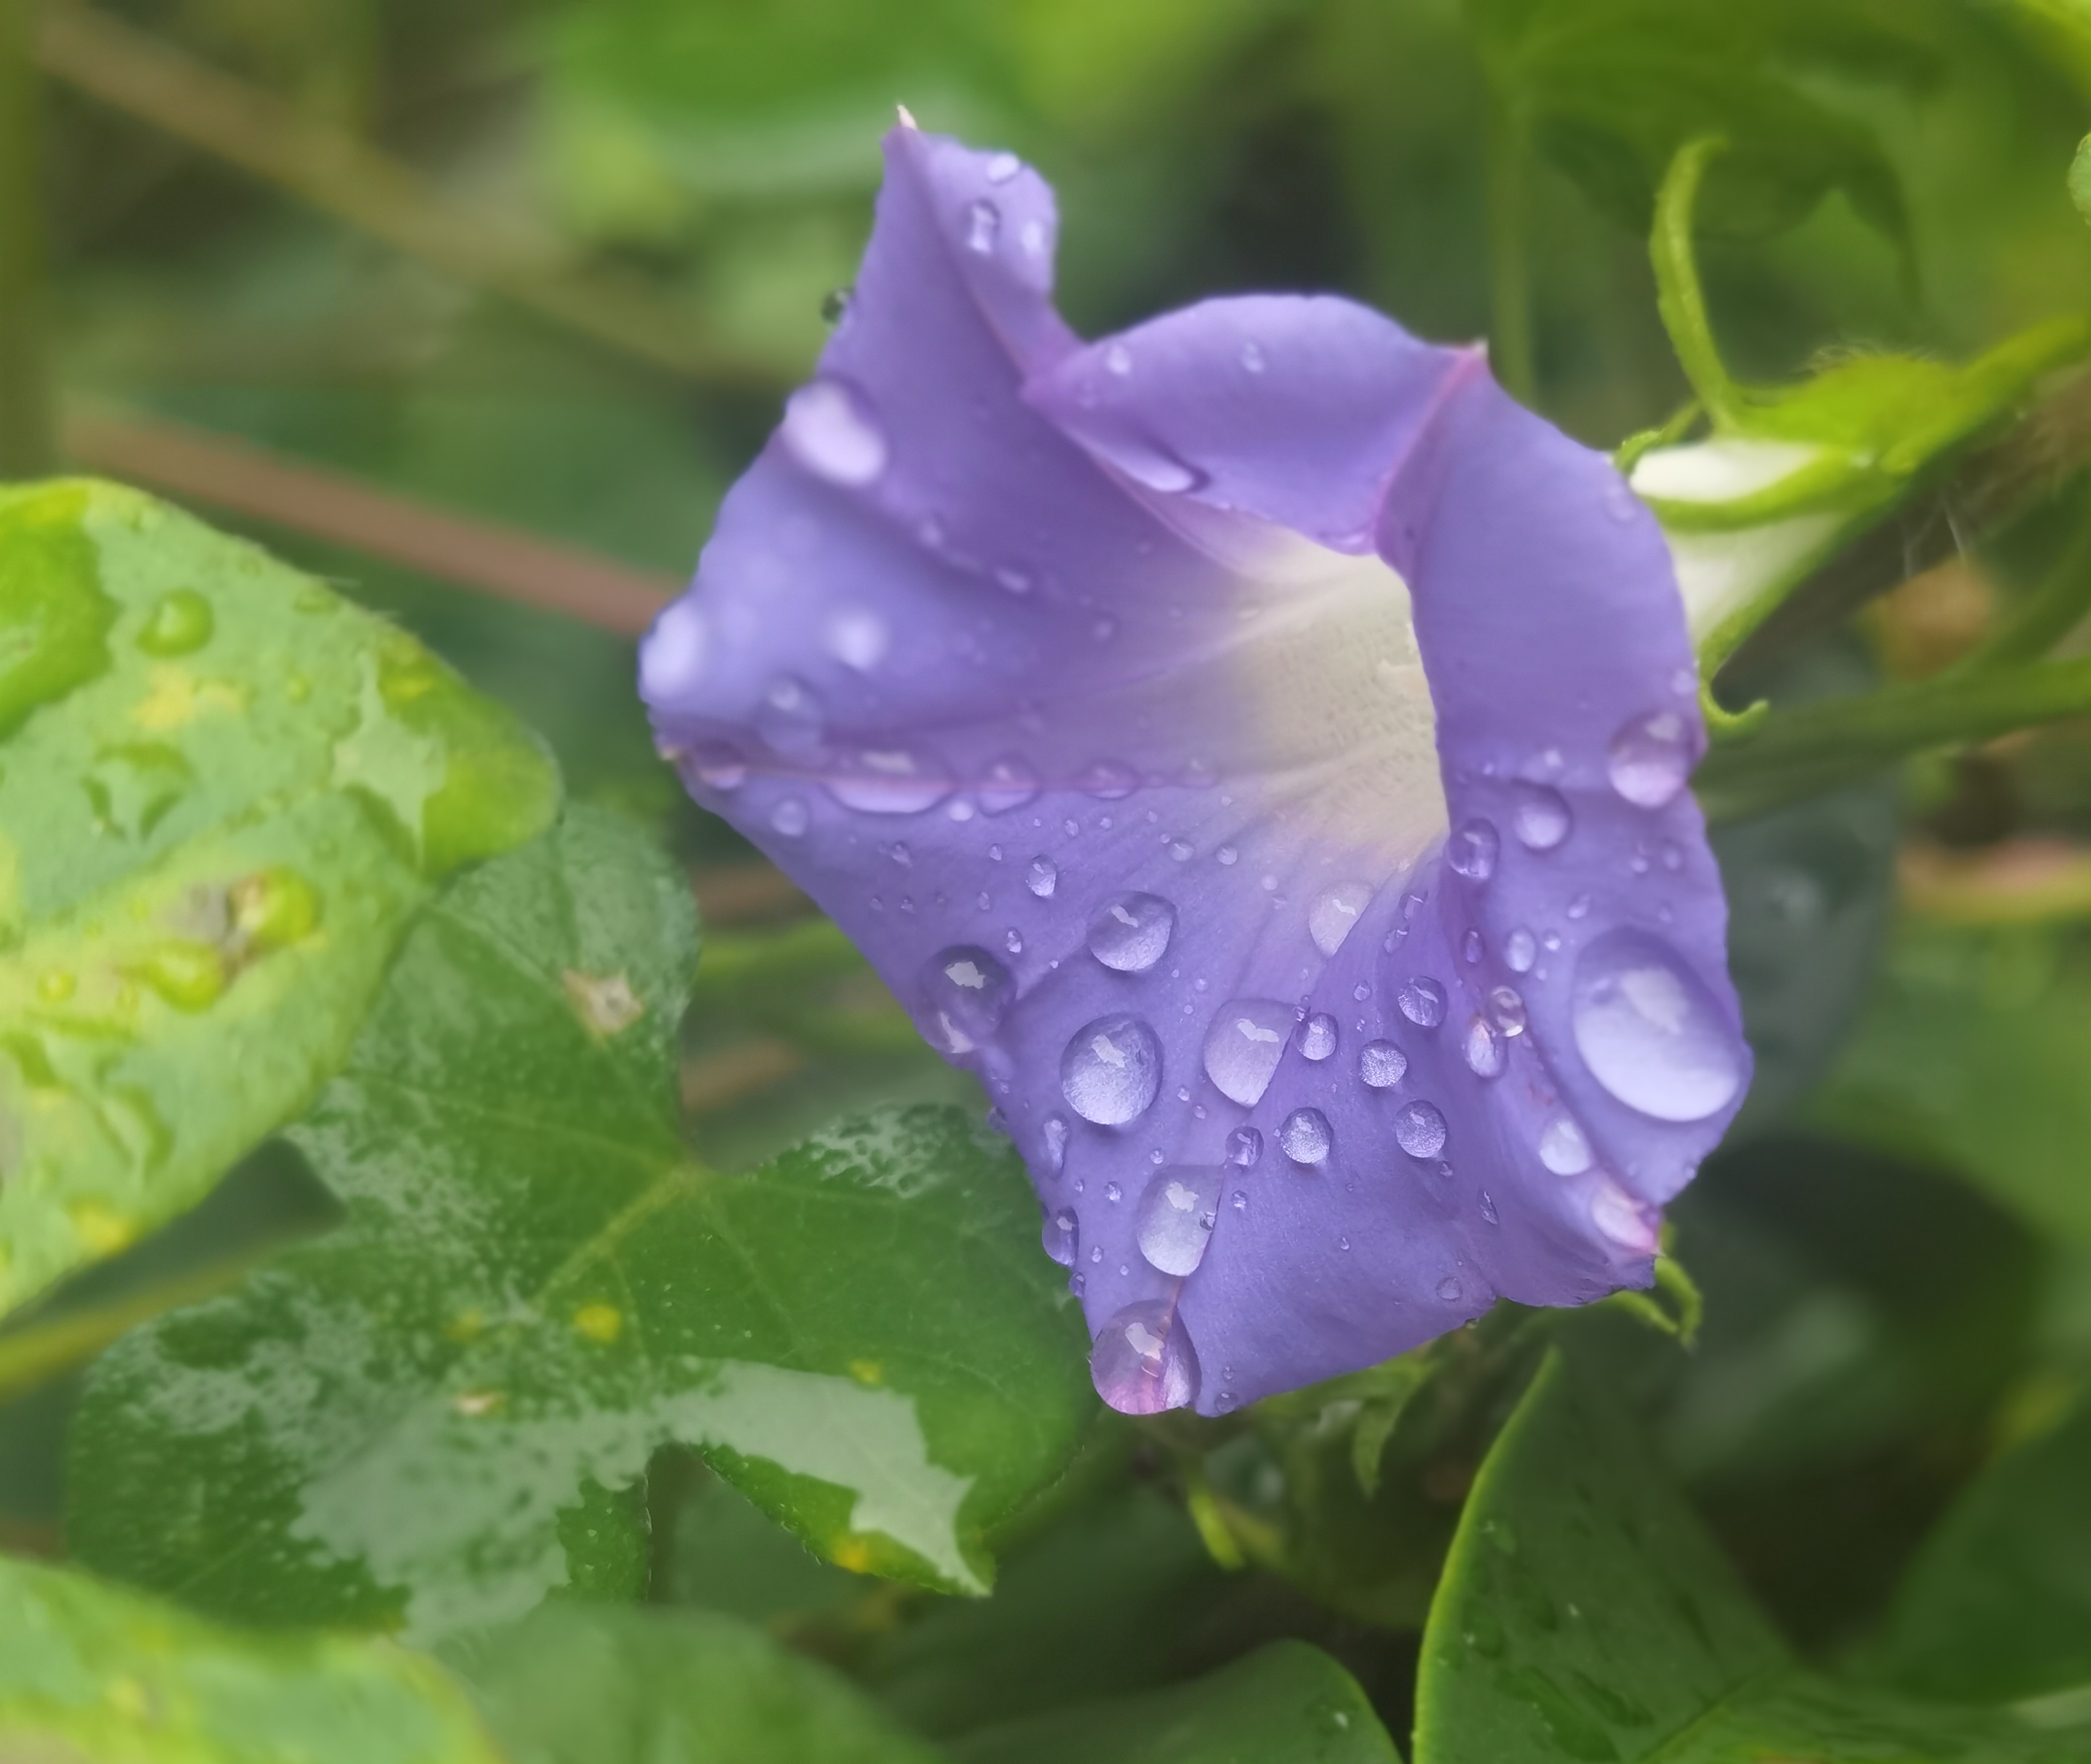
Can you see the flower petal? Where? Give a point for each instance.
(1080, 685)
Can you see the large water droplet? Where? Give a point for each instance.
(829, 430)
(1317, 1036)
(179, 623)
(1110, 1070)
(1540, 816)
(1471, 851)
(1176, 1217)
(983, 226)
(891, 781)
(1562, 1149)
(1305, 1136)
(1382, 1065)
(1650, 1031)
(1650, 758)
(1042, 878)
(1422, 1002)
(1335, 911)
(1008, 783)
(1486, 1051)
(1130, 933)
(965, 991)
(1419, 1129)
(1142, 1362)
(1059, 1236)
(1242, 1047)
(1244, 1147)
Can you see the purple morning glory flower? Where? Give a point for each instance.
(1257, 748)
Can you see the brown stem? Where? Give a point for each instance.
(246, 480)
(335, 171)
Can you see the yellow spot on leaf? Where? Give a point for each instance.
(604, 1004)
(178, 698)
(602, 1323)
(102, 1230)
(466, 1326)
(475, 1403)
(866, 1372)
(853, 1554)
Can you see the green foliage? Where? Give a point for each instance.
(568, 1686)
(90, 1671)
(1971, 1055)
(1585, 1614)
(1998, 1607)
(223, 790)
(1287, 1702)
(536, 1286)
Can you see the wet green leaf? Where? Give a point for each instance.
(1586, 1615)
(1970, 1056)
(1998, 1605)
(90, 1671)
(567, 1686)
(536, 1286)
(223, 791)
(1286, 1704)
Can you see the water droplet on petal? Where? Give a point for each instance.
(1382, 1065)
(890, 781)
(1419, 1129)
(1008, 783)
(790, 818)
(1142, 1362)
(1042, 878)
(1471, 851)
(672, 658)
(1334, 911)
(1176, 1217)
(1111, 1070)
(1562, 1149)
(1422, 1002)
(1244, 1147)
(1244, 1044)
(1470, 947)
(1630, 1223)
(1113, 1193)
(1002, 167)
(1304, 1135)
(1317, 1036)
(1650, 758)
(829, 430)
(1485, 1051)
(1650, 1031)
(1488, 1207)
(789, 718)
(983, 226)
(965, 991)
(858, 639)
(1109, 781)
(1130, 932)
(1059, 1236)
(1251, 358)
(1117, 359)
(1540, 816)
(1506, 1010)
(1055, 1135)
(1520, 951)
(1448, 1289)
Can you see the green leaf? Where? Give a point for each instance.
(90, 1671)
(1998, 1606)
(1613, 88)
(223, 792)
(568, 1686)
(1286, 1704)
(537, 1286)
(1971, 1055)
(1585, 1614)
